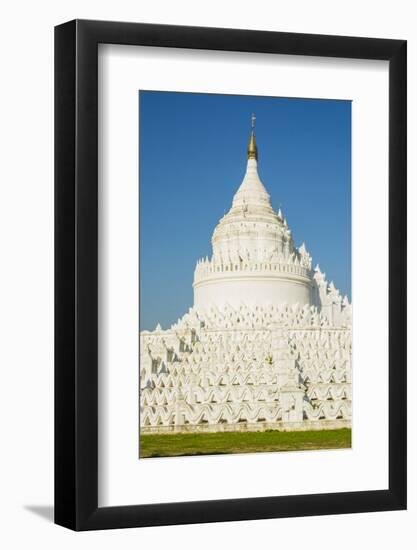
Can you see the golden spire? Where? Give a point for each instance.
(252, 149)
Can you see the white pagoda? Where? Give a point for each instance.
(267, 344)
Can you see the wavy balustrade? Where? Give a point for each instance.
(199, 375)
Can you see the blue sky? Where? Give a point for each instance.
(193, 159)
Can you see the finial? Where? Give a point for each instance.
(252, 149)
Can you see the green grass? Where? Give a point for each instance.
(154, 445)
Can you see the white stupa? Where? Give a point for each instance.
(267, 344)
(253, 252)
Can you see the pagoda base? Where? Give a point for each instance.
(305, 426)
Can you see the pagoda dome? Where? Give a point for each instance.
(254, 257)
(251, 230)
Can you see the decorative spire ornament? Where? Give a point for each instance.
(252, 148)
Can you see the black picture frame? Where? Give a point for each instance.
(76, 273)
